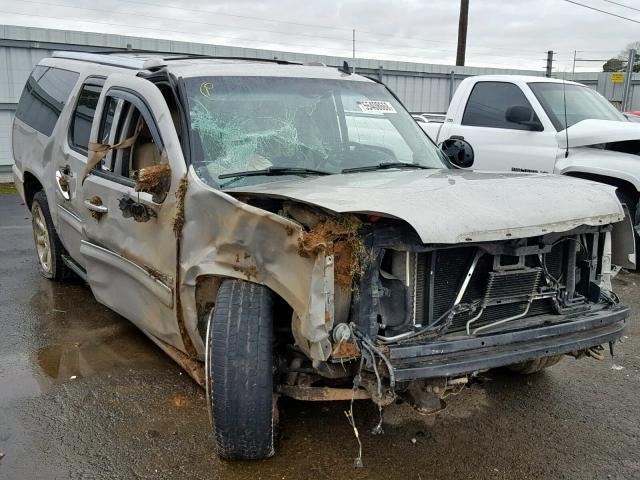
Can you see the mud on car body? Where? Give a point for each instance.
(281, 229)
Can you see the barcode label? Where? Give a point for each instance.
(376, 106)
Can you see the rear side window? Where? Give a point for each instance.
(83, 117)
(44, 97)
(489, 102)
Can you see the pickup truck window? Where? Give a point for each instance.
(242, 124)
(488, 104)
(583, 103)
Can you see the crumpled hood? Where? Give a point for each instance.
(594, 132)
(455, 206)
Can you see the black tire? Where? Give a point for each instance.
(239, 369)
(535, 366)
(54, 268)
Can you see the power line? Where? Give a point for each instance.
(162, 29)
(602, 11)
(423, 59)
(359, 31)
(622, 5)
(340, 39)
(211, 12)
(378, 50)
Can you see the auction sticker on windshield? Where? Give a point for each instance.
(376, 106)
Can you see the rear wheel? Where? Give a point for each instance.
(535, 366)
(239, 371)
(48, 245)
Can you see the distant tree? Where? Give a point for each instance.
(613, 65)
(623, 55)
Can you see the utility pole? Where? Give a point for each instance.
(549, 68)
(462, 32)
(626, 96)
(353, 66)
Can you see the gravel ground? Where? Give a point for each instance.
(83, 394)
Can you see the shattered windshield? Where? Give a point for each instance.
(271, 124)
(582, 103)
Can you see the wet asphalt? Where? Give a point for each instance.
(83, 394)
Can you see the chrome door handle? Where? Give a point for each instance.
(95, 208)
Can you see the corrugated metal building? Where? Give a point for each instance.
(422, 87)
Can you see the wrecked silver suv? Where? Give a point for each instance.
(281, 229)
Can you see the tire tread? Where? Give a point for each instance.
(240, 370)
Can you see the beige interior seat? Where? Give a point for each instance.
(144, 155)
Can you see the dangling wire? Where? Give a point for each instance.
(357, 463)
(377, 430)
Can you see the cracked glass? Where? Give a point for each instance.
(247, 124)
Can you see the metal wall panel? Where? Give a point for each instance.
(15, 66)
(6, 157)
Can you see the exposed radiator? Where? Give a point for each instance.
(450, 267)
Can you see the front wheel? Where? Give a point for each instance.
(239, 371)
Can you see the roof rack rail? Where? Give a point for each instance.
(190, 56)
(111, 58)
(187, 56)
(125, 62)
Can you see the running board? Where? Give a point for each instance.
(77, 269)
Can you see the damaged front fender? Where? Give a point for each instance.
(224, 237)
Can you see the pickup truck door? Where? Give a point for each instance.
(501, 145)
(128, 245)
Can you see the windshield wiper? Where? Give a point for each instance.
(275, 171)
(384, 166)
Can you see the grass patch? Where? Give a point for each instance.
(7, 188)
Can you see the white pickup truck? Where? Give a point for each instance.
(517, 123)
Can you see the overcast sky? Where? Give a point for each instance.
(514, 33)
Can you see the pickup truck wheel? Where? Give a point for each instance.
(535, 366)
(239, 371)
(48, 245)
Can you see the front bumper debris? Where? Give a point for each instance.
(460, 355)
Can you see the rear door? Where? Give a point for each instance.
(71, 163)
(500, 145)
(129, 206)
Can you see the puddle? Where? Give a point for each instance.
(109, 349)
(74, 337)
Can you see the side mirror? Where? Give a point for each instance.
(459, 151)
(523, 115)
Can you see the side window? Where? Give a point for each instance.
(44, 96)
(489, 102)
(83, 117)
(124, 125)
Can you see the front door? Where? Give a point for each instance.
(129, 206)
(501, 145)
